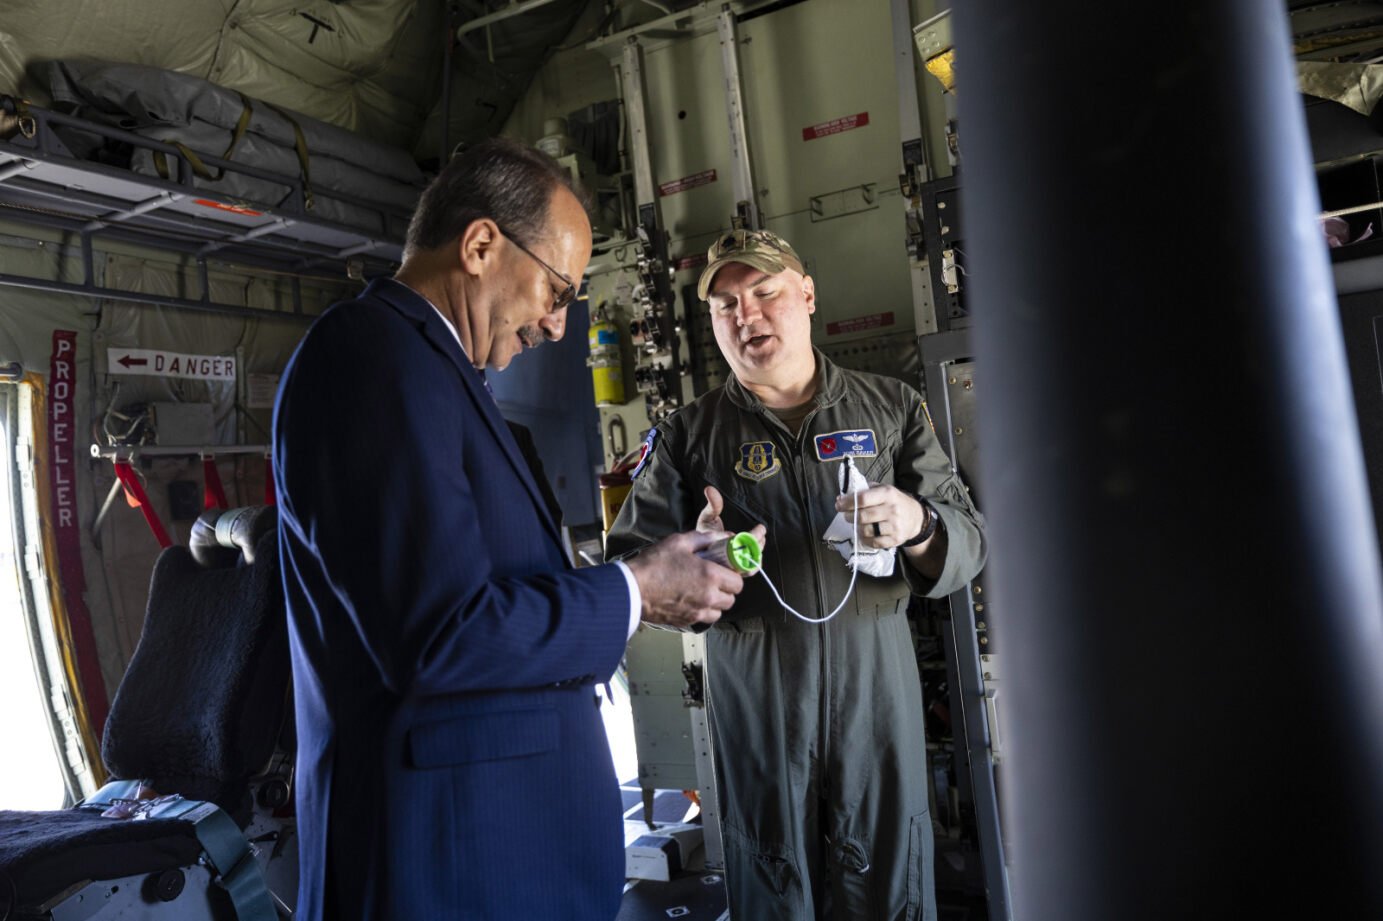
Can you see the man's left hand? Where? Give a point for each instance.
(887, 516)
(709, 519)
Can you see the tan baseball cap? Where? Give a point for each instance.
(761, 249)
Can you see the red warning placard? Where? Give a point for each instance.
(690, 262)
(704, 177)
(835, 126)
(235, 209)
(856, 324)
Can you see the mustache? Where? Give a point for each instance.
(531, 336)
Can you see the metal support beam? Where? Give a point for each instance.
(694, 654)
(263, 230)
(134, 452)
(14, 168)
(939, 353)
(1179, 516)
(741, 165)
(88, 261)
(699, 19)
(144, 207)
(916, 168)
(95, 532)
(631, 76)
(137, 297)
(175, 229)
(905, 71)
(204, 276)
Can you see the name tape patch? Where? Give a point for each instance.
(856, 443)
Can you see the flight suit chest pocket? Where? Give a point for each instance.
(879, 469)
(484, 737)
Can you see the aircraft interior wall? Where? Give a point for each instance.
(356, 65)
(832, 110)
(836, 196)
(111, 408)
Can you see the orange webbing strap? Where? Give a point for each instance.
(213, 493)
(134, 493)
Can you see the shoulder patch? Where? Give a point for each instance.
(758, 461)
(645, 453)
(849, 443)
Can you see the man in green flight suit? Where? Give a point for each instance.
(818, 728)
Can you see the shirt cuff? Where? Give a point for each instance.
(635, 596)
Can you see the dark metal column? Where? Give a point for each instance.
(1172, 473)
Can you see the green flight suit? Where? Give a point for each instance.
(818, 728)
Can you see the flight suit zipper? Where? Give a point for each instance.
(798, 455)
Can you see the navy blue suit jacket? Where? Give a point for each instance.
(451, 761)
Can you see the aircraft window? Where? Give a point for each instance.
(31, 776)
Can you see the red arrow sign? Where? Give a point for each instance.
(129, 362)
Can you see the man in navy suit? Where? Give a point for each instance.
(452, 763)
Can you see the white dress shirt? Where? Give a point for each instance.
(635, 596)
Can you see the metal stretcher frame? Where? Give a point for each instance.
(42, 184)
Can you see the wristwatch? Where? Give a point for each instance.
(928, 529)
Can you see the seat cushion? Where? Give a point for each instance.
(45, 852)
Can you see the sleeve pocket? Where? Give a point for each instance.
(491, 737)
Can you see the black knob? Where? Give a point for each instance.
(165, 886)
(273, 794)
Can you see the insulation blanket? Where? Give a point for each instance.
(179, 108)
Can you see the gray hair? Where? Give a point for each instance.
(500, 179)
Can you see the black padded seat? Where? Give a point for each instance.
(197, 714)
(45, 852)
(202, 701)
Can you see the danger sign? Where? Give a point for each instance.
(171, 364)
(835, 126)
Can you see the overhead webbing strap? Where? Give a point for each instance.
(135, 495)
(304, 156)
(269, 497)
(198, 167)
(213, 493)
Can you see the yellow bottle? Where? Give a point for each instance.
(607, 371)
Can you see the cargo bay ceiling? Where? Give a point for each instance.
(1344, 31)
(371, 66)
(375, 66)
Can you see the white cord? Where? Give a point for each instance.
(854, 573)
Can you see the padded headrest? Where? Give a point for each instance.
(222, 537)
(201, 703)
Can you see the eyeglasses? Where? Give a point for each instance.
(562, 300)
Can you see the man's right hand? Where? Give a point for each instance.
(679, 588)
